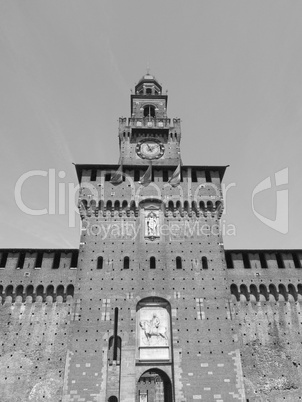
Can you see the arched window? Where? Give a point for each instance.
(186, 206)
(29, 290)
(152, 263)
(112, 399)
(100, 262)
(149, 111)
(60, 290)
(234, 291)
(264, 292)
(244, 292)
(178, 263)
(273, 291)
(126, 262)
(254, 292)
(292, 291)
(40, 290)
(9, 290)
(70, 290)
(50, 290)
(19, 290)
(204, 262)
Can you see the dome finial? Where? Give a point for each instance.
(148, 68)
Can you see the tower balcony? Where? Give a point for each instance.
(149, 122)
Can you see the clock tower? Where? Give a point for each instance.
(152, 320)
(149, 135)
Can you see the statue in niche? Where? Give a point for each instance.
(155, 334)
(152, 226)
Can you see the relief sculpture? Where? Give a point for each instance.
(154, 333)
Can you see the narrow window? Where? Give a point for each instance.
(108, 176)
(178, 263)
(263, 261)
(246, 260)
(194, 176)
(204, 262)
(136, 175)
(208, 176)
(100, 263)
(297, 262)
(280, 261)
(149, 91)
(229, 260)
(165, 175)
(39, 259)
(3, 260)
(152, 263)
(126, 262)
(21, 260)
(115, 333)
(56, 260)
(74, 259)
(93, 175)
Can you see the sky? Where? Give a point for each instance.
(233, 71)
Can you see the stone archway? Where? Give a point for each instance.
(154, 385)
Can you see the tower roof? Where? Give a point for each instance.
(147, 79)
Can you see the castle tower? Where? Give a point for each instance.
(152, 320)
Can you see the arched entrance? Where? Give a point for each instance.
(154, 386)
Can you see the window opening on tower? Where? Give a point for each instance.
(149, 111)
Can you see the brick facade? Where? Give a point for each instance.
(151, 307)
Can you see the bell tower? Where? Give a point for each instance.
(149, 135)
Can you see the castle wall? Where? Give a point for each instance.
(35, 314)
(265, 308)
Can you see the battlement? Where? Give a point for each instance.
(189, 174)
(46, 259)
(256, 259)
(265, 275)
(40, 275)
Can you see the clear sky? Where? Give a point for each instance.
(233, 70)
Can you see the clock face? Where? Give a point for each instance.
(150, 149)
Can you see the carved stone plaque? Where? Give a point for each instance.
(153, 334)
